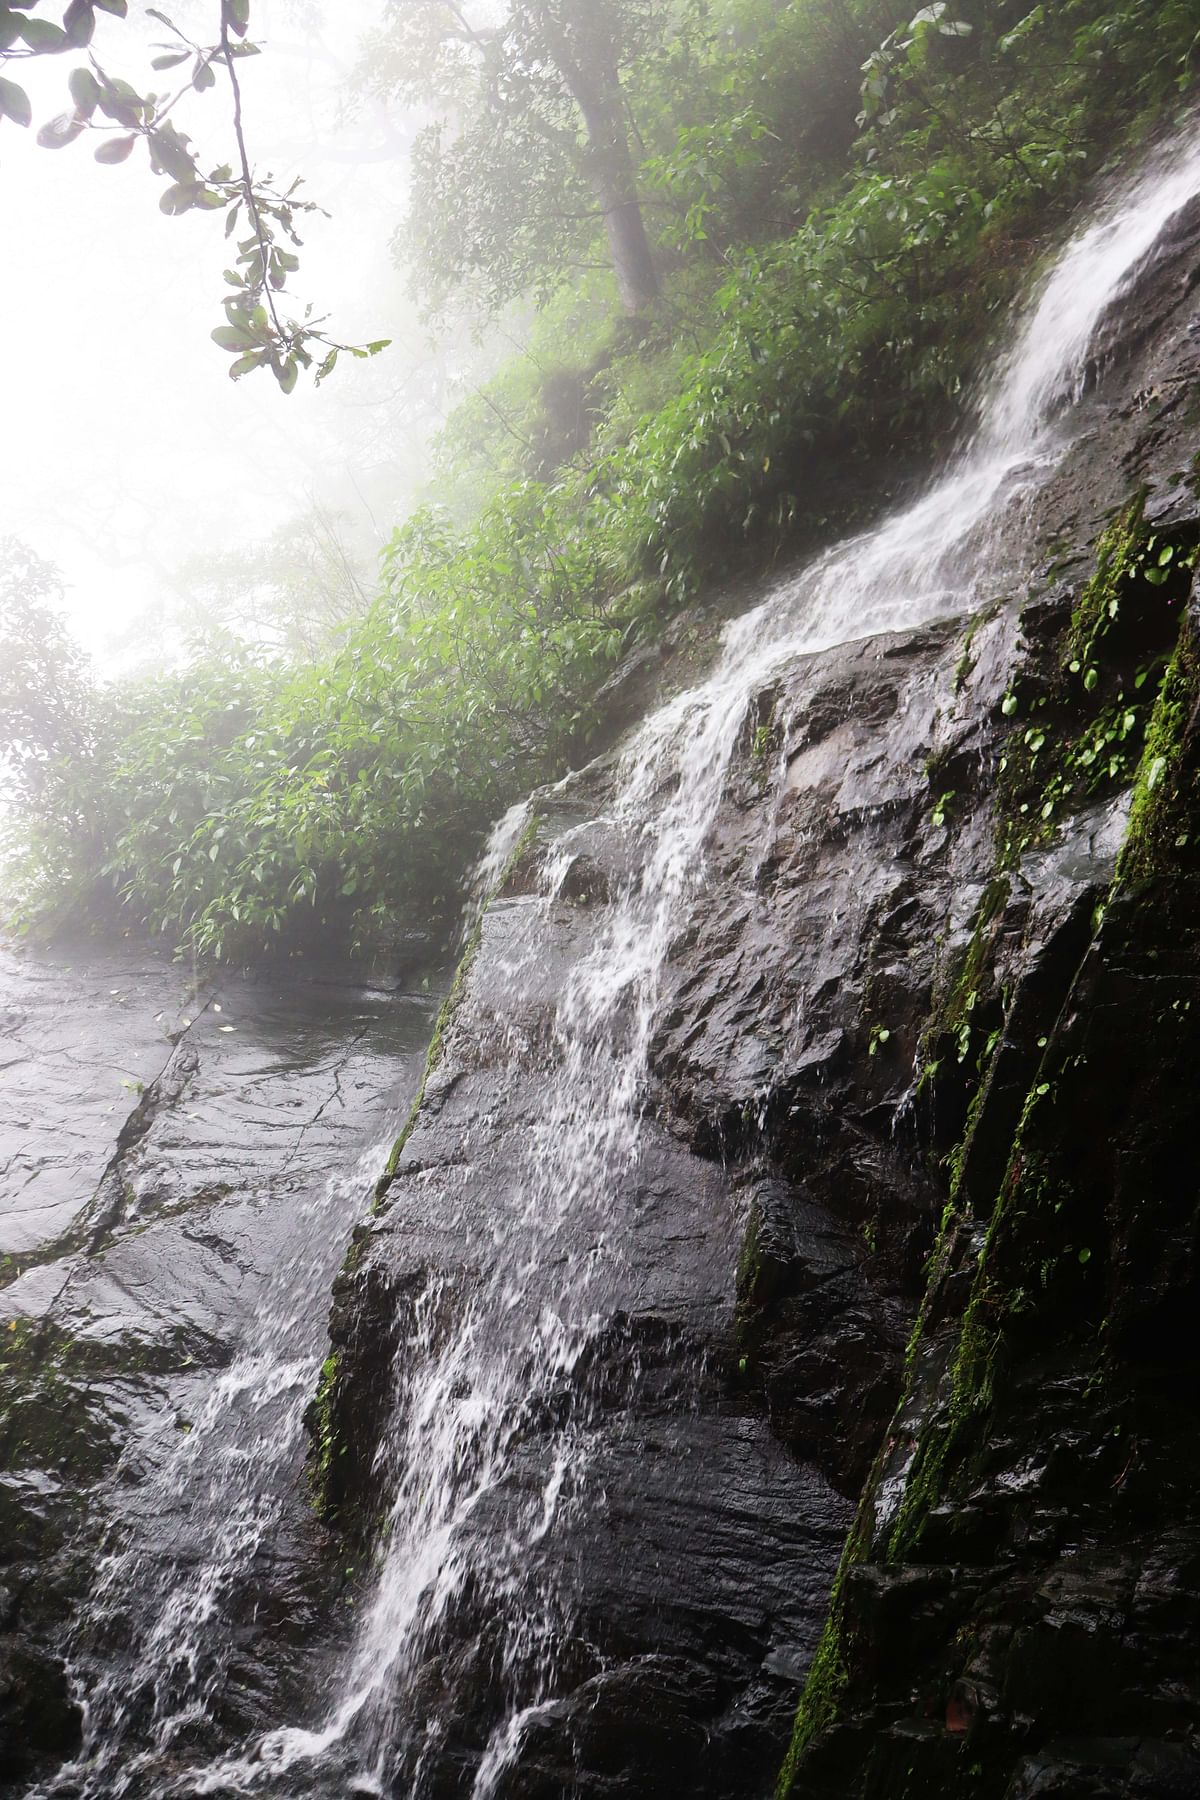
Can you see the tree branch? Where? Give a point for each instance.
(264, 243)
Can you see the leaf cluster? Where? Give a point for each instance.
(106, 104)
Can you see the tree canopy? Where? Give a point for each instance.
(528, 154)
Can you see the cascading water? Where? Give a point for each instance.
(298, 1076)
(486, 1355)
(224, 1490)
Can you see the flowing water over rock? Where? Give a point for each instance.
(503, 1365)
(205, 1150)
(597, 1563)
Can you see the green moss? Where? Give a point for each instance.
(828, 1673)
(46, 1417)
(956, 1160)
(952, 1009)
(1082, 725)
(324, 1436)
(819, 1703)
(1156, 826)
(1027, 1187)
(1118, 553)
(965, 665)
(764, 740)
(433, 1057)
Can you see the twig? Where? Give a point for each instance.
(248, 180)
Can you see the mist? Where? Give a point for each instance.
(128, 455)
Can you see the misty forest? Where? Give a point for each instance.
(600, 877)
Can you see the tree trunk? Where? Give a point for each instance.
(587, 61)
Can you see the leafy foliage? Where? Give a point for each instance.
(828, 291)
(256, 330)
(43, 680)
(526, 165)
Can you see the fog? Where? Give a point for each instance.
(126, 448)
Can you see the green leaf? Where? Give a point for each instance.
(14, 103)
(85, 91)
(203, 77)
(46, 39)
(169, 155)
(79, 23)
(1028, 23)
(180, 197)
(231, 337)
(118, 8)
(287, 375)
(60, 131)
(236, 15)
(119, 102)
(243, 366)
(171, 61)
(116, 150)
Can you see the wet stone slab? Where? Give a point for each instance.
(163, 1320)
(81, 1034)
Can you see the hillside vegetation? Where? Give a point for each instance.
(838, 197)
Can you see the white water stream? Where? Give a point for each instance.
(467, 1392)
(222, 1492)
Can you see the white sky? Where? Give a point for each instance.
(124, 446)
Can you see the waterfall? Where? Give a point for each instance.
(484, 1356)
(222, 1492)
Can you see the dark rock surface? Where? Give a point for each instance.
(697, 1553)
(900, 896)
(1018, 1611)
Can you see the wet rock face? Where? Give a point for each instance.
(689, 1555)
(778, 1218)
(923, 1056)
(899, 921)
(168, 1152)
(1021, 1582)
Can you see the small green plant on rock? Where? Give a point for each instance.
(1081, 725)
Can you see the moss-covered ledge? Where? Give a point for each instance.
(1044, 1453)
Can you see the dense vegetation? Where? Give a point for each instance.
(836, 196)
